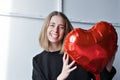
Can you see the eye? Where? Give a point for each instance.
(62, 27)
(51, 25)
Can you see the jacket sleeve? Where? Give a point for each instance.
(37, 73)
(105, 75)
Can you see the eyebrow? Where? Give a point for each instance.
(59, 24)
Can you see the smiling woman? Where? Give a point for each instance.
(20, 23)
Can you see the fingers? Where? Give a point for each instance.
(72, 63)
(65, 59)
(72, 69)
(64, 56)
(67, 68)
(70, 66)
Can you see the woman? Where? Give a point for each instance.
(53, 63)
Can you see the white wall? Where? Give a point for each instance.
(92, 11)
(22, 46)
(19, 38)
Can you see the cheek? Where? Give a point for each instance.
(62, 33)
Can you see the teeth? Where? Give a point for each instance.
(54, 35)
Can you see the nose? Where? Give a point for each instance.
(56, 28)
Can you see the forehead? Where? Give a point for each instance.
(57, 19)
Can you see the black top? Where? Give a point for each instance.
(48, 65)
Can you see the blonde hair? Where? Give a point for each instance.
(43, 40)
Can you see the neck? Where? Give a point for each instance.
(54, 47)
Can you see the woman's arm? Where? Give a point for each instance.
(109, 65)
(109, 71)
(105, 75)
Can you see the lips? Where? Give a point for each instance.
(54, 35)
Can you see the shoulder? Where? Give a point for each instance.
(45, 55)
(39, 58)
(40, 55)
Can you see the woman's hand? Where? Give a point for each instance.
(110, 64)
(67, 68)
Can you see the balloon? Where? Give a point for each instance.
(92, 49)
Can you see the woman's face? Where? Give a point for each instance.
(56, 29)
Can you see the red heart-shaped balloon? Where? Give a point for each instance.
(93, 48)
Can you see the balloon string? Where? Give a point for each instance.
(97, 76)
